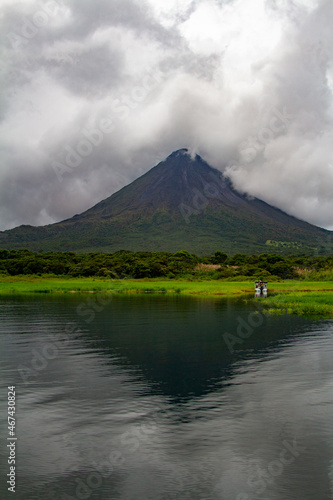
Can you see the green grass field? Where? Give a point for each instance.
(313, 299)
(33, 284)
(311, 304)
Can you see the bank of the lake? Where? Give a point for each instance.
(307, 298)
(36, 284)
(310, 303)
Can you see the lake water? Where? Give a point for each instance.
(145, 397)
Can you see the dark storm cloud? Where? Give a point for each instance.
(114, 86)
(91, 72)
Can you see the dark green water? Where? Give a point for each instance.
(165, 398)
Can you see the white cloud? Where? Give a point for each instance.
(224, 69)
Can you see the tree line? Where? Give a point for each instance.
(126, 264)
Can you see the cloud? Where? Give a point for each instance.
(213, 76)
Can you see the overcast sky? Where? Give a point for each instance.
(96, 92)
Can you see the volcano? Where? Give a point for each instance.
(181, 203)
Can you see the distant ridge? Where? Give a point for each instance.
(181, 203)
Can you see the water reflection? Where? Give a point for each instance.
(148, 402)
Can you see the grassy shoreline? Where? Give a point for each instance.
(41, 284)
(34, 284)
(305, 298)
(313, 305)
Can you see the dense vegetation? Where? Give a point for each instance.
(125, 264)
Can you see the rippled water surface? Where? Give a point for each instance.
(140, 398)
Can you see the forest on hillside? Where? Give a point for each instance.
(182, 264)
